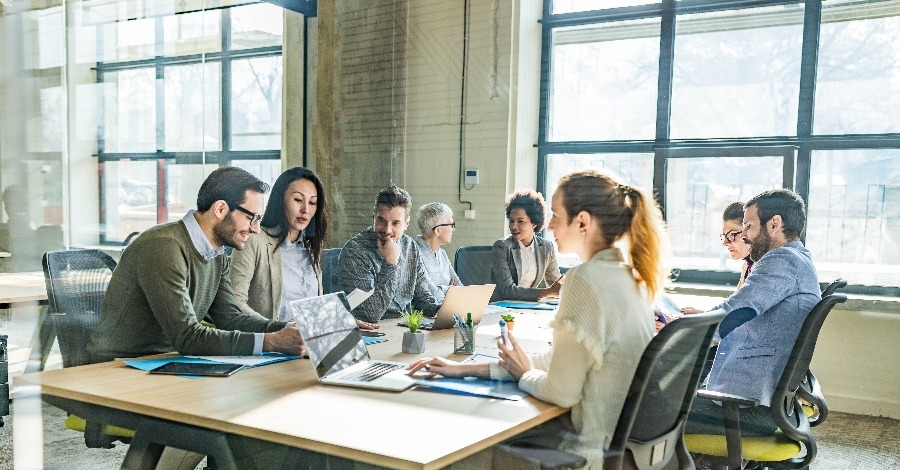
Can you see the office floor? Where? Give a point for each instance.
(846, 442)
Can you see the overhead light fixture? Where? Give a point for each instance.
(6, 2)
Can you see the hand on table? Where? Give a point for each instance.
(366, 326)
(438, 365)
(286, 340)
(691, 310)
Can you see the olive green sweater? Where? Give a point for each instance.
(160, 291)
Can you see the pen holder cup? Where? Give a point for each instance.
(464, 339)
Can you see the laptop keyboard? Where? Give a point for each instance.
(371, 372)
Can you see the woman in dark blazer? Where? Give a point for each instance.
(523, 260)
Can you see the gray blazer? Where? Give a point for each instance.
(766, 315)
(508, 263)
(256, 276)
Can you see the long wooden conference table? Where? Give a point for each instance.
(284, 403)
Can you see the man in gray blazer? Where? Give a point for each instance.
(764, 316)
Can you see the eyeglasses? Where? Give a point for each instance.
(254, 217)
(730, 236)
(451, 225)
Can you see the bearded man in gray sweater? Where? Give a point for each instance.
(176, 274)
(383, 259)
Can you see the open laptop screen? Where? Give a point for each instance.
(330, 333)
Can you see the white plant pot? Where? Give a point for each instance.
(413, 343)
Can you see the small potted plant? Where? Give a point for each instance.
(413, 340)
(510, 321)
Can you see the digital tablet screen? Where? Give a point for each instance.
(192, 368)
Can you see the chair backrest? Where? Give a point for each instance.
(651, 424)
(786, 410)
(76, 283)
(838, 283)
(473, 264)
(330, 259)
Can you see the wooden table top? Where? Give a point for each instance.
(22, 287)
(284, 403)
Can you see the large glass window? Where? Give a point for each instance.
(697, 191)
(737, 73)
(858, 88)
(604, 81)
(179, 91)
(854, 215)
(715, 102)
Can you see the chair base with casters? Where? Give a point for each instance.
(648, 435)
(793, 445)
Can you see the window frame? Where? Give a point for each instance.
(664, 147)
(160, 63)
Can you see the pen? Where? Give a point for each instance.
(558, 279)
(503, 332)
(469, 319)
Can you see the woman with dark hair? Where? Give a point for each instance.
(523, 259)
(732, 228)
(283, 262)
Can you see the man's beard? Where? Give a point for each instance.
(760, 245)
(226, 234)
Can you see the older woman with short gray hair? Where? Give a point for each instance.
(435, 221)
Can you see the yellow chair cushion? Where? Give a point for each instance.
(809, 410)
(774, 448)
(77, 423)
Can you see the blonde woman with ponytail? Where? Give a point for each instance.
(603, 323)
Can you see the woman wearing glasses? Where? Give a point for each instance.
(283, 263)
(523, 259)
(732, 225)
(435, 221)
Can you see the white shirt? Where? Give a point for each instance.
(529, 264)
(299, 279)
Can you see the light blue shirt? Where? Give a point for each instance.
(206, 250)
(438, 267)
(298, 276)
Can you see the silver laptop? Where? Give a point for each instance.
(337, 350)
(461, 300)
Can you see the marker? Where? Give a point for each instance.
(504, 332)
(469, 319)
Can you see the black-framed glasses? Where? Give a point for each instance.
(730, 236)
(254, 217)
(451, 225)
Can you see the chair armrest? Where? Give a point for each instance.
(727, 398)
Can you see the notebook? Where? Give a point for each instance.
(460, 300)
(337, 350)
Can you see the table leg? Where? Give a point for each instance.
(42, 341)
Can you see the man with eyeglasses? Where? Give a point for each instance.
(176, 274)
(383, 259)
(763, 317)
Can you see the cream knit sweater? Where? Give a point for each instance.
(600, 331)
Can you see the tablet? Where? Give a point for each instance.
(207, 369)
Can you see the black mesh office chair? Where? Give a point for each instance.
(810, 390)
(793, 445)
(649, 432)
(330, 258)
(473, 264)
(76, 283)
